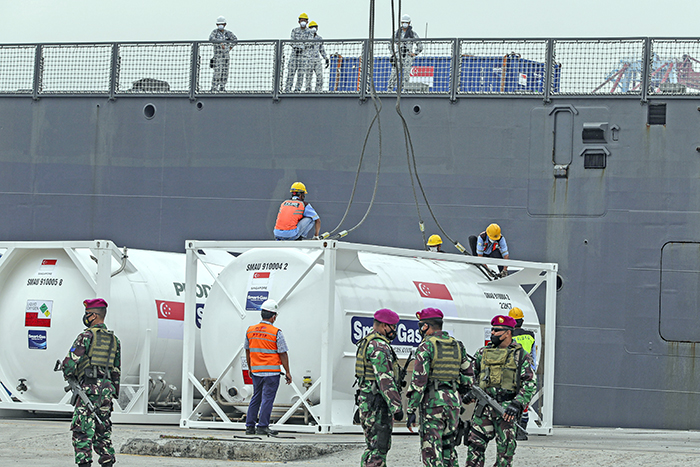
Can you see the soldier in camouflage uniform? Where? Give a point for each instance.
(223, 40)
(297, 66)
(95, 360)
(378, 395)
(439, 378)
(504, 371)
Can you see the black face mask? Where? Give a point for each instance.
(421, 331)
(86, 321)
(496, 340)
(391, 334)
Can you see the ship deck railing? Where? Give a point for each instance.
(547, 68)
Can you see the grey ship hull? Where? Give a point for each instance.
(86, 167)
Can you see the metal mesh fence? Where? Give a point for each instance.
(81, 68)
(17, 68)
(599, 66)
(303, 64)
(248, 67)
(427, 71)
(675, 67)
(502, 67)
(154, 68)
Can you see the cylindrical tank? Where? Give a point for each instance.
(41, 294)
(365, 282)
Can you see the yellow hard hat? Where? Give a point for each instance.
(303, 16)
(434, 240)
(494, 232)
(313, 24)
(516, 313)
(298, 187)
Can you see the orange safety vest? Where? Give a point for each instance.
(262, 344)
(291, 212)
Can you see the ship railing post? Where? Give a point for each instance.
(328, 327)
(456, 71)
(276, 77)
(646, 69)
(549, 71)
(188, 343)
(365, 68)
(193, 71)
(113, 72)
(38, 71)
(104, 269)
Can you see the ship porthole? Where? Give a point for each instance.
(149, 111)
(560, 282)
(416, 109)
(200, 105)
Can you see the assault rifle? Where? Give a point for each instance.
(74, 386)
(483, 399)
(404, 370)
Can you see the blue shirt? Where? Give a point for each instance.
(309, 211)
(486, 248)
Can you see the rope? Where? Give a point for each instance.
(377, 110)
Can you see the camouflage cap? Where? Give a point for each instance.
(429, 313)
(387, 316)
(95, 303)
(501, 321)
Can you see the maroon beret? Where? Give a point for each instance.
(387, 316)
(501, 321)
(95, 303)
(429, 313)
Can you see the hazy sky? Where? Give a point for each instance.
(31, 21)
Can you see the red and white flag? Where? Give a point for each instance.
(171, 319)
(422, 74)
(436, 296)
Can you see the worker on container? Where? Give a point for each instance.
(312, 60)
(223, 40)
(492, 244)
(378, 394)
(409, 48)
(504, 371)
(435, 243)
(439, 380)
(527, 340)
(296, 217)
(265, 351)
(94, 360)
(295, 67)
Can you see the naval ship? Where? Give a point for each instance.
(585, 151)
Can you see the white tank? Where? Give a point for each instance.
(365, 282)
(41, 295)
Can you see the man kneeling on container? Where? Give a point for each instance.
(265, 350)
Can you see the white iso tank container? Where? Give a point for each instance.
(41, 295)
(364, 283)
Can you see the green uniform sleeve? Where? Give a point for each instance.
(419, 378)
(528, 381)
(380, 356)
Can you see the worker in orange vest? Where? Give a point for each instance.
(296, 217)
(265, 351)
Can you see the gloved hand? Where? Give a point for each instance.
(398, 416)
(468, 398)
(503, 273)
(513, 410)
(328, 63)
(411, 421)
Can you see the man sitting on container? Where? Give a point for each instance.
(492, 244)
(265, 351)
(296, 217)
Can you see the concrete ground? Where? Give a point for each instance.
(46, 442)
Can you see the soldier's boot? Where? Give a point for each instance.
(520, 434)
(85, 464)
(108, 464)
(265, 430)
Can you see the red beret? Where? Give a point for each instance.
(387, 316)
(503, 322)
(428, 313)
(95, 303)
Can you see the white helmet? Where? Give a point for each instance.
(405, 19)
(270, 305)
(220, 20)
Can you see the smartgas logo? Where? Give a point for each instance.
(406, 331)
(254, 299)
(37, 339)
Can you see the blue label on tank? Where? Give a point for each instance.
(199, 310)
(37, 339)
(254, 299)
(406, 331)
